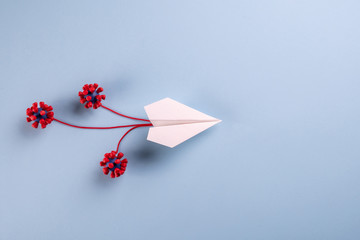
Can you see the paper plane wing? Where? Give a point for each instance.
(174, 122)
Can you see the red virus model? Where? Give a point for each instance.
(40, 115)
(91, 97)
(112, 163)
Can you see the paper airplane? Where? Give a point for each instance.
(174, 122)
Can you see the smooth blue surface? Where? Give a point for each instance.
(283, 76)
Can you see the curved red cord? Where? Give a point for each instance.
(117, 149)
(122, 126)
(140, 119)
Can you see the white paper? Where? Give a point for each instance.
(174, 122)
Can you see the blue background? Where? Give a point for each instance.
(282, 75)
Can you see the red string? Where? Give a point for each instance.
(122, 126)
(140, 119)
(117, 149)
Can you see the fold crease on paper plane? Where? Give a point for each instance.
(174, 122)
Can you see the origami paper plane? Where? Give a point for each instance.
(174, 122)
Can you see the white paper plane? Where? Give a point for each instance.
(174, 122)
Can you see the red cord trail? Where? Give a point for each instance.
(122, 126)
(139, 119)
(117, 149)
